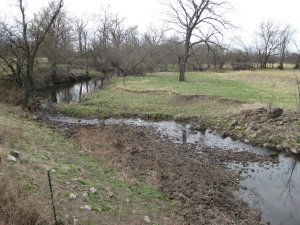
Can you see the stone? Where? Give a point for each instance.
(246, 141)
(85, 195)
(238, 128)
(15, 154)
(267, 145)
(275, 113)
(87, 207)
(72, 196)
(147, 219)
(279, 148)
(234, 123)
(11, 158)
(93, 190)
(293, 150)
(253, 126)
(253, 136)
(35, 117)
(111, 194)
(224, 135)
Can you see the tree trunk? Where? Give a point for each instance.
(183, 60)
(29, 85)
(182, 68)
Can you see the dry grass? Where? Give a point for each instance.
(12, 96)
(17, 207)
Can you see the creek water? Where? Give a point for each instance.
(69, 93)
(273, 189)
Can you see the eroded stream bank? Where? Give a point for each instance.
(190, 167)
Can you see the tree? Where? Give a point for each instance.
(200, 21)
(23, 39)
(268, 41)
(57, 45)
(80, 27)
(116, 47)
(285, 37)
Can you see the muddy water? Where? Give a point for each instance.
(273, 189)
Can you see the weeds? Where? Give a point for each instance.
(17, 207)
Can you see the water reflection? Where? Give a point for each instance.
(274, 190)
(71, 94)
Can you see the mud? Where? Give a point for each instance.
(188, 99)
(199, 183)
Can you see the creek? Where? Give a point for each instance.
(273, 189)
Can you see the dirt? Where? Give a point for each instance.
(199, 183)
(255, 126)
(188, 99)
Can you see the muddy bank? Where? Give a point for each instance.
(199, 183)
(260, 128)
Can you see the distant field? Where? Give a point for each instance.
(160, 95)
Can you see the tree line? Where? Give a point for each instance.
(105, 43)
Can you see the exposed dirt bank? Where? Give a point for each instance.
(260, 128)
(199, 183)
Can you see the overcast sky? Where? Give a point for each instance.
(247, 14)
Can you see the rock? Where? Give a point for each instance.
(246, 141)
(275, 113)
(15, 154)
(111, 194)
(85, 195)
(224, 135)
(253, 126)
(285, 145)
(234, 123)
(238, 128)
(147, 219)
(93, 190)
(267, 145)
(253, 136)
(293, 150)
(11, 158)
(279, 148)
(87, 207)
(35, 117)
(72, 196)
(209, 131)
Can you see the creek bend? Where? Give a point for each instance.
(273, 189)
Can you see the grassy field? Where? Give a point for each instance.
(74, 170)
(206, 94)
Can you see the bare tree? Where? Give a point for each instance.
(153, 42)
(268, 41)
(80, 27)
(242, 56)
(58, 43)
(116, 47)
(285, 37)
(24, 38)
(200, 21)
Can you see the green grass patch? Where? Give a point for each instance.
(161, 96)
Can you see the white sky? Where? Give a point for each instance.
(247, 13)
